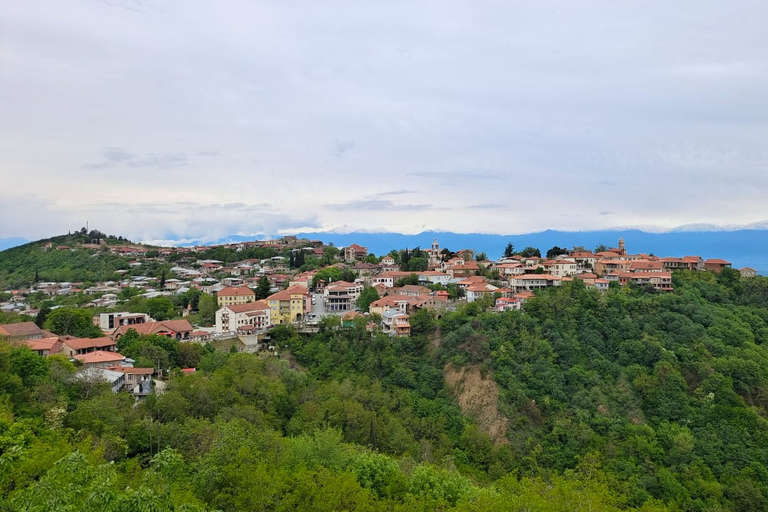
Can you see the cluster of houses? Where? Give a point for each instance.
(301, 297)
(508, 281)
(99, 357)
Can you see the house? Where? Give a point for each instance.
(585, 260)
(110, 321)
(509, 269)
(747, 272)
(100, 359)
(178, 329)
(661, 281)
(388, 264)
(646, 266)
(365, 269)
(341, 295)
(477, 291)
(561, 267)
(289, 305)
(531, 282)
(388, 279)
(402, 303)
(235, 295)
(716, 265)
(137, 381)
(245, 318)
(611, 264)
(93, 374)
(412, 290)
(395, 323)
(685, 263)
(434, 277)
(44, 346)
(354, 253)
(469, 268)
(507, 304)
(71, 346)
(23, 331)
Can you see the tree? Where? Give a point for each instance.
(367, 296)
(556, 251)
(509, 250)
(42, 314)
(530, 252)
(207, 308)
(160, 308)
(262, 288)
(162, 281)
(601, 248)
(330, 252)
(418, 264)
(72, 322)
(481, 256)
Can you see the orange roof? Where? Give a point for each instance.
(236, 291)
(250, 306)
(131, 370)
(99, 357)
(83, 343)
(41, 344)
(154, 327)
(20, 329)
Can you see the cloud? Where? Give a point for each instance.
(395, 193)
(340, 148)
(254, 110)
(376, 205)
(456, 177)
(486, 206)
(118, 157)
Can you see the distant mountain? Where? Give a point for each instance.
(7, 243)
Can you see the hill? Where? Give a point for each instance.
(623, 400)
(74, 257)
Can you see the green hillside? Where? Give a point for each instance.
(629, 400)
(19, 266)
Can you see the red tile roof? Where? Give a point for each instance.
(236, 291)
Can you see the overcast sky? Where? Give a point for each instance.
(170, 120)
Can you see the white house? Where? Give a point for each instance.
(252, 316)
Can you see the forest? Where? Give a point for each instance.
(622, 400)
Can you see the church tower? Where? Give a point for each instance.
(622, 249)
(434, 254)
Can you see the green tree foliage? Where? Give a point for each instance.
(509, 250)
(418, 264)
(530, 252)
(367, 296)
(601, 248)
(263, 288)
(72, 322)
(207, 309)
(556, 251)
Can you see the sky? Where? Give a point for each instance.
(195, 120)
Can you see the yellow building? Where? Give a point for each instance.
(235, 295)
(289, 305)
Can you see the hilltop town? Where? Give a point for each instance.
(241, 291)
